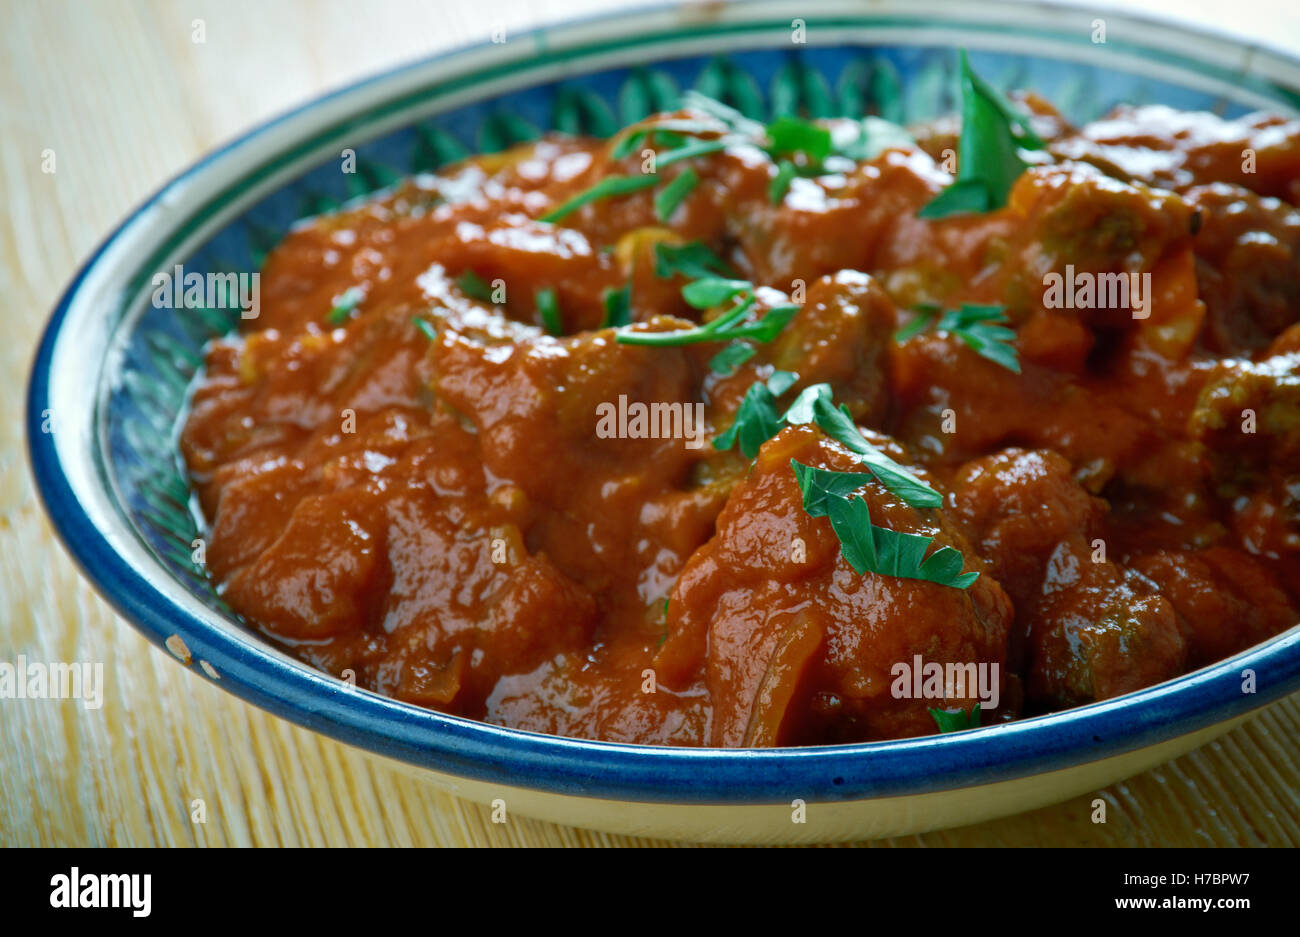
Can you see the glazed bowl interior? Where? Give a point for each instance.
(112, 373)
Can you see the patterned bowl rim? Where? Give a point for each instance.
(77, 493)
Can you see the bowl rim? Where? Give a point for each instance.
(259, 673)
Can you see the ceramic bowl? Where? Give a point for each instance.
(111, 375)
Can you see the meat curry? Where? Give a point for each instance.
(704, 434)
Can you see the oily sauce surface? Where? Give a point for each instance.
(440, 515)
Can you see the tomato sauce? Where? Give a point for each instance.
(431, 506)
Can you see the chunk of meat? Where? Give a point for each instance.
(1226, 600)
(315, 579)
(1247, 267)
(1093, 636)
(1247, 421)
(1248, 418)
(842, 336)
(1176, 149)
(797, 647)
(546, 413)
(1083, 633)
(1081, 226)
(1017, 506)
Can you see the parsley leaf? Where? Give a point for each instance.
(732, 118)
(866, 547)
(868, 138)
(674, 193)
(618, 307)
(780, 184)
(793, 135)
(981, 327)
(954, 720)
(798, 148)
(707, 292)
(605, 188)
(757, 418)
(693, 260)
(425, 328)
(475, 287)
(814, 405)
(548, 308)
(730, 358)
(989, 160)
(344, 304)
(827, 493)
(664, 129)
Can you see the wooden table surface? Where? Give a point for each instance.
(125, 99)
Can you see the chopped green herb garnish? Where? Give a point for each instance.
(780, 184)
(618, 307)
(675, 192)
(663, 130)
(757, 418)
(605, 188)
(426, 328)
(475, 287)
(730, 358)
(693, 260)
(868, 138)
(788, 135)
(735, 121)
(954, 720)
(814, 405)
(707, 292)
(981, 327)
(344, 304)
(692, 150)
(722, 329)
(548, 309)
(866, 547)
(926, 313)
(988, 160)
(664, 637)
(797, 146)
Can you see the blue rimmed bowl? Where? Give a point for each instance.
(112, 371)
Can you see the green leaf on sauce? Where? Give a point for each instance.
(954, 720)
(730, 358)
(426, 328)
(813, 405)
(787, 135)
(693, 260)
(605, 188)
(618, 307)
(981, 327)
(988, 162)
(708, 292)
(344, 304)
(757, 419)
(868, 138)
(780, 184)
(866, 547)
(796, 146)
(475, 287)
(548, 309)
(674, 193)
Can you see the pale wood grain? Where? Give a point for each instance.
(125, 100)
